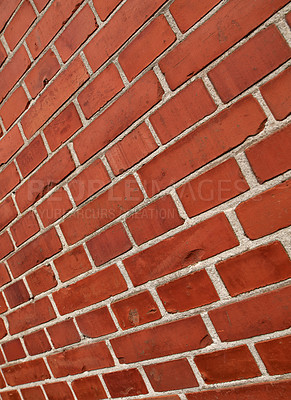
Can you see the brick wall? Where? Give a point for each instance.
(145, 199)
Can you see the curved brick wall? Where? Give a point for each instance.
(145, 199)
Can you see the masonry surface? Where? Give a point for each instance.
(145, 192)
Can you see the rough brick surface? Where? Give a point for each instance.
(145, 199)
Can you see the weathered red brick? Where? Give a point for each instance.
(268, 312)
(147, 46)
(7, 9)
(14, 106)
(171, 338)
(9, 178)
(10, 395)
(271, 156)
(7, 212)
(43, 71)
(26, 372)
(212, 139)
(58, 389)
(105, 8)
(6, 245)
(41, 280)
(4, 275)
(171, 375)
(24, 228)
(3, 305)
(136, 310)
(179, 251)
(54, 96)
(227, 26)
(135, 102)
(275, 355)
(30, 315)
(80, 359)
(3, 54)
(191, 291)
(47, 177)
(125, 383)
(9, 144)
(78, 30)
(88, 388)
(267, 212)
(63, 333)
(72, 263)
(212, 188)
(35, 252)
(16, 294)
(13, 350)
(37, 343)
(89, 181)
(255, 268)
(32, 393)
(96, 323)
(3, 331)
(54, 207)
(19, 24)
(90, 290)
(31, 156)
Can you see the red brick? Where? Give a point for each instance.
(3, 54)
(79, 29)
(32, 393)
(7, 212)
(9, 144)
(135, 102)
(89, 181)
(6, 245)
(19, 24)
(136, 310)
(89, 388)
(10, 395)
(212, 139)
(171, 375)
(147, 46)
(24, 228)
(13, 71)
(288, 18)
(125, 383)
(114, 34)
(63, 333)
(96, 323)
(191, 291)
(13, 107)
(56, 94)
(4, 276)
(163, 340)
(37, 343)
(45, 179)
(80, 359)
(7, 9)
(131, 149)
(16, 294)
(41, 280)
(109, 244)
(277, 94)
(43, 71)
(58, 390)
(2, 360)
(187, 247)
(3, 306)
(260, 391)
(9, 178)
(266, 313)
(271, 156)
(37, 251)
(227, 365)
(49, 25)
(54, 207)
(40, 4)
(104, 87)
(105, 8)
(255, 268)
(13, 350)
(26, 372)
(3, 331)
(62, 127)
(267, 212)
(120, 198)
(188, 12)
(185, 109)
(30, 315)
(275, 355)
(154, 220)
(227, 26)
(31, 156)
(267, 51)
(90, 290)
(212, 188)
(72, 263)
